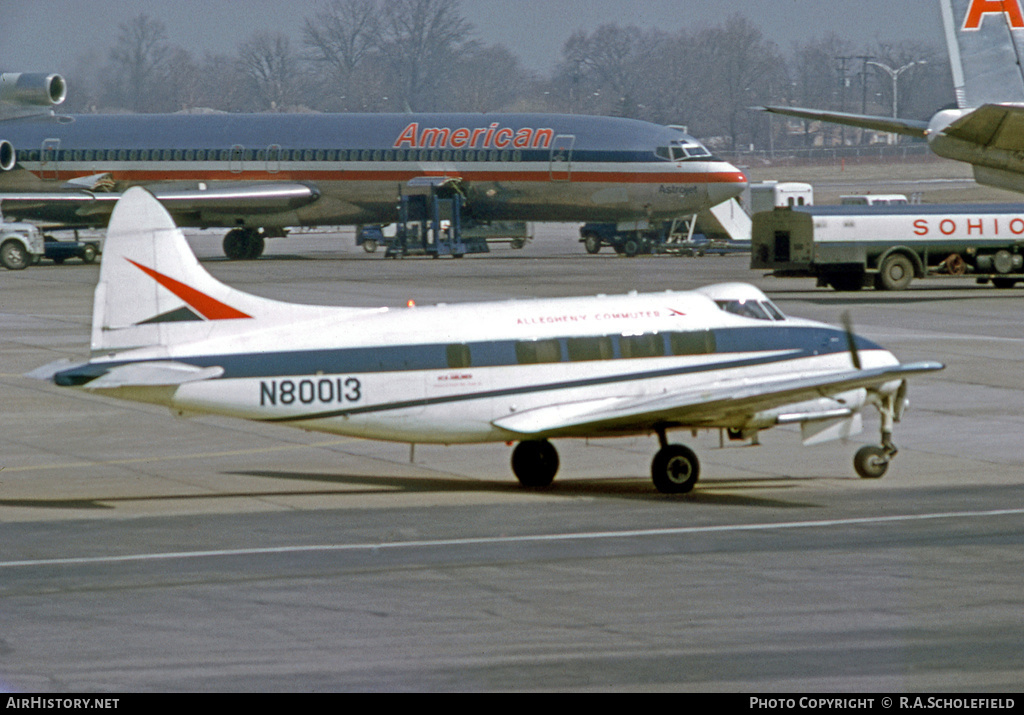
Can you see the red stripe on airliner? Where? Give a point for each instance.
(578, 176)
(200, 302)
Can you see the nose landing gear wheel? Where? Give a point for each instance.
(535, 463)
(675, 469)
(871, 462)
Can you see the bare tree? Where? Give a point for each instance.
(342, 34)
(422, 41)
(137, 61)
(746, 69)
(272, 71)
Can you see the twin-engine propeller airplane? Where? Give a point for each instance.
(257, 174)
(527, 371)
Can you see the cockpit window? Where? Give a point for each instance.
(683, 151)
(759, 310)
(772, 310)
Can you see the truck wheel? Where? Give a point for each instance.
(631, 247)
(89, 253)
(13, 256)
(896, 273)
(592, 244)
(370, 245)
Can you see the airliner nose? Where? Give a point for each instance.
(729, 183)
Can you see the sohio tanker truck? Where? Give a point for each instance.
(851, 247)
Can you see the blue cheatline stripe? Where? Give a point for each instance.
(500, 353)
(544, 387)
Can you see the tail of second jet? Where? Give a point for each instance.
(153, 291)
(985, 39)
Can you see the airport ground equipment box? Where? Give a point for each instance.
(851, 247)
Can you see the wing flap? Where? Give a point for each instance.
(704, 407)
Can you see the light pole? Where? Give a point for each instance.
(894, 74)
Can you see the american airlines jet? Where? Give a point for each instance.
(985, 39)
(257, 174)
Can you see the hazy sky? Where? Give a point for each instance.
(51, 35)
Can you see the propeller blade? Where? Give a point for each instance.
(851, 340)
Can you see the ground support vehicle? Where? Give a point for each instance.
(516, 233)
(851, 247)
(633, 239)
(21, 244)
(60, 251)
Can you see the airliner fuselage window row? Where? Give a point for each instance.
(274, 153)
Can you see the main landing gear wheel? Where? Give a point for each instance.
(535, 463)
(675, 469)
(243, 244)
(871, 462)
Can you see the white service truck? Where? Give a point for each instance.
(21, 244)
(851, 247)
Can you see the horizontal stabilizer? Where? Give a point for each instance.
(909, 127)
(47, 371)
(153, 374)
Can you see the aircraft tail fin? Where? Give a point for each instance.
(985, 39)
(153, 291)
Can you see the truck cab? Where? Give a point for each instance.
(21, 244)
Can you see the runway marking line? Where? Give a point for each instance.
(490, 540)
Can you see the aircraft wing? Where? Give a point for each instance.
(997, 126)
(910, 127)
(701, 407)
(74, 204)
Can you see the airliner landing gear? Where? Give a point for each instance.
(243, 244)
(675, 469)
(872, 462)
(535, 463)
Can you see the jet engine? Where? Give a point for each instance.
(7, 156)
(32, 89)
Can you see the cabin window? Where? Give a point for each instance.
(536, 352)
(641, 346)
(587, 349)
(458, 356)
(700, 342)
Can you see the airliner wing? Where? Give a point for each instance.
(250, 198)
(704, 407)
(997, 126)
(910, 127)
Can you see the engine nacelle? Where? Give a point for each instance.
(32, 89)
(8, 156)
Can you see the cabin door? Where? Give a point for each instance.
(49, 164)
(561, 157)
